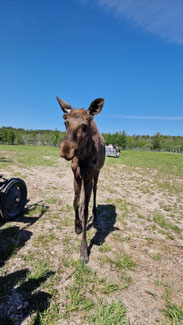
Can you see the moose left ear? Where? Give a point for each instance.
(64, 106)
(96, 106)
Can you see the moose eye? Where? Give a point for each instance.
(84, 127)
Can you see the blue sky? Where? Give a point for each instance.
(129, 52)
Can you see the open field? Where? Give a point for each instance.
(135, 271)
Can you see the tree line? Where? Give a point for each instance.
(9, 135)
(156, 142)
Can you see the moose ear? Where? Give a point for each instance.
(64, 106)
(96, 106)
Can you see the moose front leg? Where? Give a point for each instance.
(86, 188)
(76, 203)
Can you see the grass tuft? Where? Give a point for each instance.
(174, 312)
(51, 200)
(113, 314)
(104, 248)
(76, 301)
(163, 223)
(122, 262)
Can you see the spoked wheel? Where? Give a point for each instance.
(13, 198)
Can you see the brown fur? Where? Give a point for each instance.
(85, 146)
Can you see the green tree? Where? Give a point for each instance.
(10, 136)
(3, 135)
(18, 138)
(156, 141)
(142, 143)
(130, 142)
(55, 138)
(123, 140)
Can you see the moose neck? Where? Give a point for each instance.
(85, 152)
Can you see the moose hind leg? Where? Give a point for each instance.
(76, 203)
(86, 198)
(94, 196)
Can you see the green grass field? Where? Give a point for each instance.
(28, 155)
(166, 163)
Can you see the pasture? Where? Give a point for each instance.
(135, 269)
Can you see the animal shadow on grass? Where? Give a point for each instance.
(13, 238)
(20, 297)
(33, 212)
(104, 224)
(4, 160)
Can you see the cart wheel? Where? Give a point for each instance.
(13, 198)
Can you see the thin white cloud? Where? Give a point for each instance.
(136, 117)
(161, 17)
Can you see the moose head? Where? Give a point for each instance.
(77, 122)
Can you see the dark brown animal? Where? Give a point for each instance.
(84, 145)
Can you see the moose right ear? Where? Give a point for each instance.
(64, 106)
(96, 106)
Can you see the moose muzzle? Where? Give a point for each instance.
(67, 150)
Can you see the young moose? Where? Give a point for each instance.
(84, 145)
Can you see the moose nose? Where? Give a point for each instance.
(67, 150)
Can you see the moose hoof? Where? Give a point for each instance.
(84, 255)
(78, 229)
(84, 259)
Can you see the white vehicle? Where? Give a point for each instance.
(110, 151)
